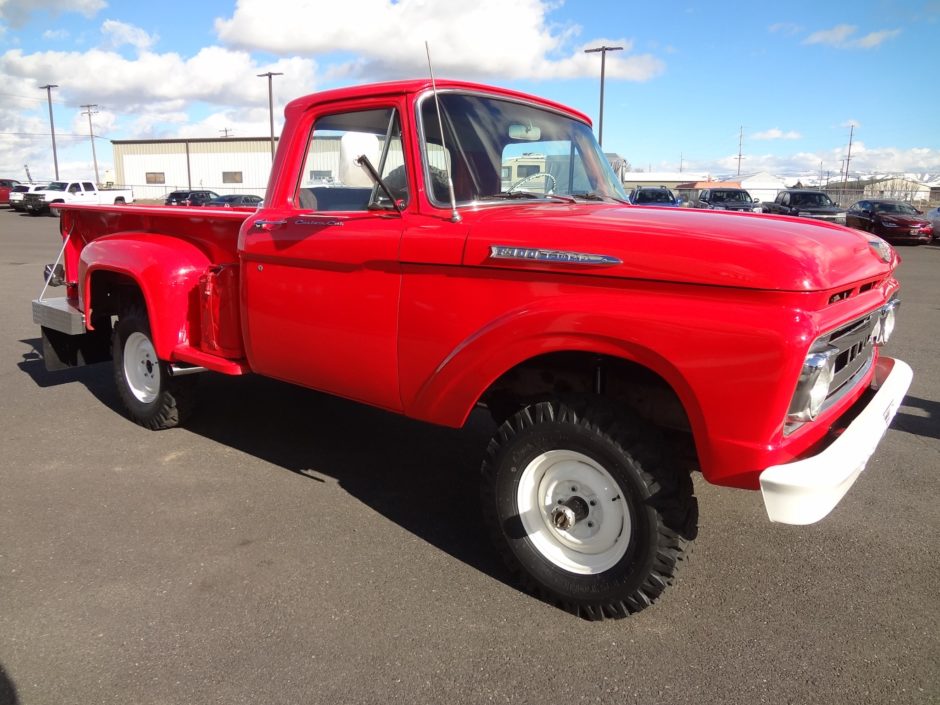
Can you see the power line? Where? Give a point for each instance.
(58, 134)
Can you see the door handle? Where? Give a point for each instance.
(267, 224)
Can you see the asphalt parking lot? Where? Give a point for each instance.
(288, 547)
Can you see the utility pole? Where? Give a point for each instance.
(270, 75)
(680, 162)
(91, 131)
(849, 156)
(225, 131)
(600, 119)
(740, 144)
(55, 158)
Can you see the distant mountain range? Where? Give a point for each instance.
(809, 178)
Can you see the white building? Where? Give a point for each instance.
(669, 179)
(762, 185)
(154, 168)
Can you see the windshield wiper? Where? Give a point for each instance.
(594, 196)
(515, 195)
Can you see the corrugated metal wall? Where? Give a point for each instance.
(197, 164)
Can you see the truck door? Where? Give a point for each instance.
(321, 276)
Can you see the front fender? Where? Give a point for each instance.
(449, 394)
(167, 271)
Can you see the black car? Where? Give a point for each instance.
(235, 200)
(806, 203)
(892, 220)
(190, 198)
(653, 196)
(727, 199)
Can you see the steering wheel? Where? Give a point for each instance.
(536, 175)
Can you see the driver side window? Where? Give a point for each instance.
(333, 177)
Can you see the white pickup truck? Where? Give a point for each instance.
(73, 192)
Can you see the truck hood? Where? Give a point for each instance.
(904, 220)
(682, 245)
(734, 205)
(820, 210)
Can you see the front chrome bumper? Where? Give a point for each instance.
(806, 490)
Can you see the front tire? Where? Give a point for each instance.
(585, 509)
(152, 397)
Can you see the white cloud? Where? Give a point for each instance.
(464, 39)
(55, 34)
(776, 134)
(214, 75)
(786, 28)
(841, 35)
(120, 33)
(870, 41)
(18, 12)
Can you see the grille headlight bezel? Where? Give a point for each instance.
(812, 389)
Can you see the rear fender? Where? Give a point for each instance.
(166, 269)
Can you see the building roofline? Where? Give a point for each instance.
(195, 140)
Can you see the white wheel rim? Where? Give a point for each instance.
(141, 367)
(596, 542)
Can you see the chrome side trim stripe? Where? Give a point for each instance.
(557, 256)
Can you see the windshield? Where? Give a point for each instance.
(735, 196)
(811, 199)
(57, 186)
(654, 196)
(896, 208)
(500, 149)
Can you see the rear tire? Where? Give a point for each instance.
(585, 509)
(152, 397)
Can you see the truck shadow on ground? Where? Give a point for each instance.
(424, 478)
(926, 422)
(7, 690)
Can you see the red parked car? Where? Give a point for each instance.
(6, 185)
(894, 221)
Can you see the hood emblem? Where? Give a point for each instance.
(558, 256)
(881, 248)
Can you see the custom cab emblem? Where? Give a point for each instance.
(559, 256)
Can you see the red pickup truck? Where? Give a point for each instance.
(430, 252)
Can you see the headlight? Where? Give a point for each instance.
(813, 386)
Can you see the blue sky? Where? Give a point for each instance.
(794, 75)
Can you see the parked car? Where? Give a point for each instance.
(235, 200)
(806, 203)
(894, 221)
(933, 215)
(190, 198)
(18, 192)
(6, 185)
(653, 196)
(727, 199)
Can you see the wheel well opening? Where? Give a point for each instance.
(578, 374)
(111, 291)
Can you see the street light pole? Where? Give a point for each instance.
(55, 159)
(270, 75)
(91, 132)
(600, 120)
